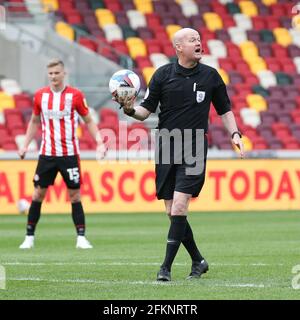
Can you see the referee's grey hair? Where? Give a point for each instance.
(175, 40)
(55, 62)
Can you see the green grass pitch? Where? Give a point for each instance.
(251, 256)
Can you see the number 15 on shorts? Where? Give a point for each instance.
(74, 174)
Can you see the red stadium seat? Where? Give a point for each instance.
(296, 119)
(9, 146)
(8, 142)
(23, 101)
(242, 67)
(277, 10)
(106, 113)
(249, 131)
(273, 64)
(66, 5)
(233, 51)
(272, 22)
(295, 114)
(143, 62)
(228, 22)
(288, 66)
(84, 144)
(4, 134)
(219, 8)
(292, 145)
(283, 135)
(168, 50)
(18, 7)
(243, 89)
(161, 36)
(226, 64)
(206, 34)
(113, 5)
(153, 46)
(259, 23)
(251, 80)
(120, 46)
(138, 125)
(153, 20)
(16, 130)
(88, 43)
(260, 145)
(73, 17)
(279, 51)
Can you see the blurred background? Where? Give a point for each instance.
(254, 45)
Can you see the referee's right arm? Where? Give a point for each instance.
(138, 112)
(150, 102)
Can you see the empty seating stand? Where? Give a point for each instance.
(251, 43)
(16, 111)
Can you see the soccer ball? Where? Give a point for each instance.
(124, 83)
(23, 206)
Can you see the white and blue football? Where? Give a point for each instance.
(124, 83)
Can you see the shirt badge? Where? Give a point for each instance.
(200, 96)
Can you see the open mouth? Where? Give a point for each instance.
(198, 50)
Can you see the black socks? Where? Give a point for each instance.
(190, 245)
(176, 233)
(78, 218)
(35, 213)
(33, 217)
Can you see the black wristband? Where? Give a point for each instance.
(236, 132)
(130, 113)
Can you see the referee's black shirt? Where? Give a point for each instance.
(185, 96)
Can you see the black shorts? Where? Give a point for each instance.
(48, 167)
(174, 177)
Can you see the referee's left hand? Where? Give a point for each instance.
(238, 142)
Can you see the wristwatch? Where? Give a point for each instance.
(236, 132)
(130, 113)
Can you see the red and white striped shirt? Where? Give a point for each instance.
(59, 116)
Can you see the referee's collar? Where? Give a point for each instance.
(186, 71)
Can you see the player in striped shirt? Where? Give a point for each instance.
(58, 107)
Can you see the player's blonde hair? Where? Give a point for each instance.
(54, 63)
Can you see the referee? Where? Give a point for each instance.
(184, 89)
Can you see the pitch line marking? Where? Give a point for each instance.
(16, 263)
(125, 282)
